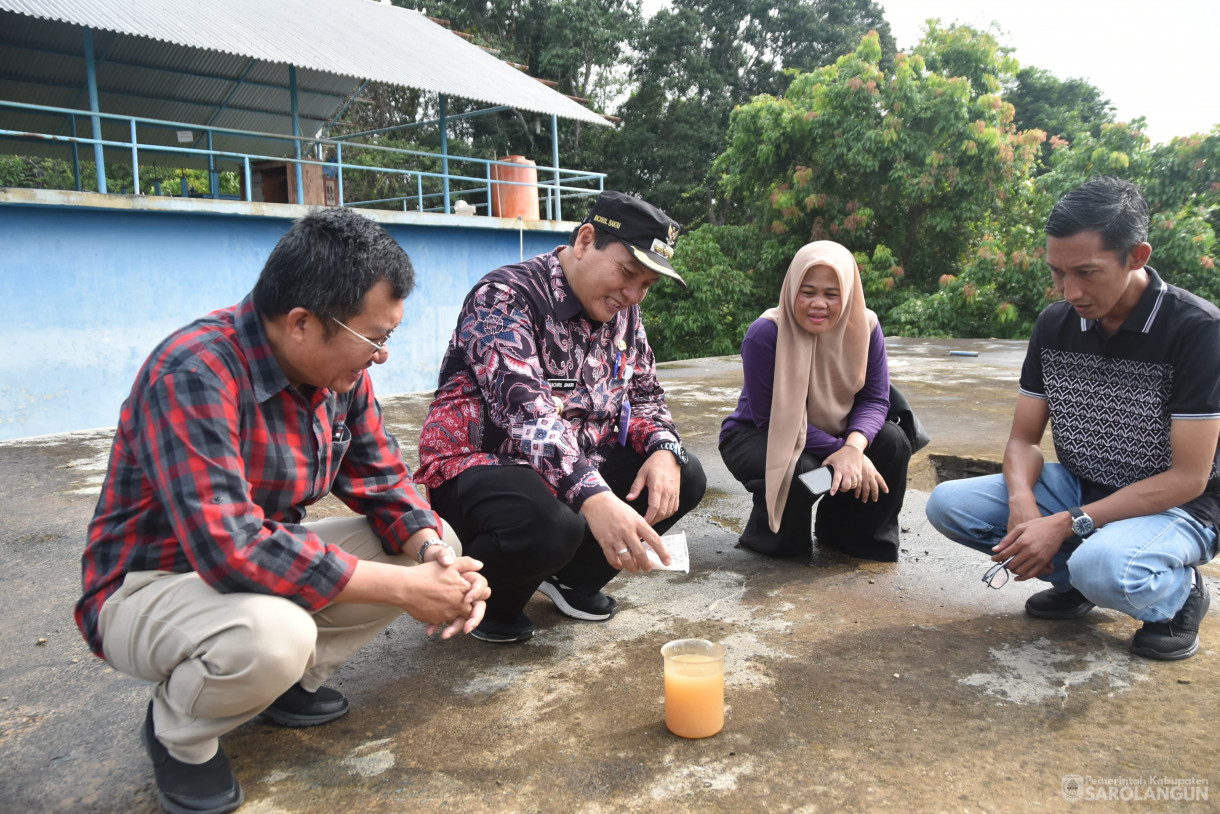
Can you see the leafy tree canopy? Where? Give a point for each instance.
(903, 167)
(1063, 109)
(928, 172)
(699, 59)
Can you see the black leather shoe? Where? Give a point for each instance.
(1179, 637)
(589, 606)
(1055, 604)
(189, 788)
(298, 707)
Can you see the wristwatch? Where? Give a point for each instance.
(1082, 524)
(435, 541)
(678, 451)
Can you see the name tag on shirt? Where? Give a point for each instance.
(562, 385)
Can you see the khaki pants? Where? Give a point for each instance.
(219, 659)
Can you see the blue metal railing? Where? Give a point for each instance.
(479, 182)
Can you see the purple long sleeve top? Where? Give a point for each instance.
(754, 406)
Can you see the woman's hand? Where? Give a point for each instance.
(854, 472)
(847, 463)
(871, 483)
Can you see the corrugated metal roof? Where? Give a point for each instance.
(224, 62)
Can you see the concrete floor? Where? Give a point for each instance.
(851, 685)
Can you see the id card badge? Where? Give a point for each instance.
(624, 421)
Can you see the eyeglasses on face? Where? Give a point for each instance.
(378, 347)
(997, 575)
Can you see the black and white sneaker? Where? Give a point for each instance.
(1179, 637)
(496, 632)
(591, 607)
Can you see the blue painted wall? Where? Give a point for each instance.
(90, 284)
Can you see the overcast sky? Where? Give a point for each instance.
(1152, 58)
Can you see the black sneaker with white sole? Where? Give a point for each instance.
(496, 632)
(592, 606)
(1179, 637)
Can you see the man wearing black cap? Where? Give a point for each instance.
(549, 446)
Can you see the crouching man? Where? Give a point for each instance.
(199, 573)
(1127, 371)
(550, 447)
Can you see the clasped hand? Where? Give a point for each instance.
(456, 574)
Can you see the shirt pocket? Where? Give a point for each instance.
(340, 440)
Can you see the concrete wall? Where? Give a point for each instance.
(89, 284)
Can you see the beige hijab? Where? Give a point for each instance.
(816, 377)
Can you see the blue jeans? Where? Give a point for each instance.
(1140, 566)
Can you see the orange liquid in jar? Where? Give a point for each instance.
(694, 695)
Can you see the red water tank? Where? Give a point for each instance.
(513, 200)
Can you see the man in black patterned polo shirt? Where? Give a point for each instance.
(1127, 371)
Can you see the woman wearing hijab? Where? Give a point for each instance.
(817, 391)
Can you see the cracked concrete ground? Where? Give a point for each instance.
(851, 685)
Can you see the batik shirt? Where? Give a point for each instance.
(215, 460)
(1112, 400)
(530, 379)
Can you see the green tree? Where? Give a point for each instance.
(35, 172)
(1004, 283)
(711, 316)
(579, 46)
(1064, 109)
(905, 169)
(699, 59)
(1001, 287)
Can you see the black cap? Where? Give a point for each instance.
(647, 232)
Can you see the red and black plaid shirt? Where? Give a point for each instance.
(215, 460)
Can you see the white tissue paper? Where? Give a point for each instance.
(678, 552)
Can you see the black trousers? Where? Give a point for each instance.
(866, 530)
(507, 517)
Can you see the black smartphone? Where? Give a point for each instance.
(818, 481)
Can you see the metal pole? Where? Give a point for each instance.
(75, 153)
(296, 132)
(339, 159)
(99, 157)
(555, 164)
(444, 153)
(213, 175)
(135, 161)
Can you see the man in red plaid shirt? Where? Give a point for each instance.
(199, 573)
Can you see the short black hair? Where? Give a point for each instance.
(327, 262)
(601, 238)
(1114, 208)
